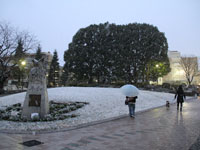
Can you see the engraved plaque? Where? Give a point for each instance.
(34, 100)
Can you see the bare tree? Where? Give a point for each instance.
(190, 67)
(9, 38)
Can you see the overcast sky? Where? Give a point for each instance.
(55, 22)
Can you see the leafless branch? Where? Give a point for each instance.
(9, 38)
(190, 67)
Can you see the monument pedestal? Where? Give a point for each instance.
(36, 100)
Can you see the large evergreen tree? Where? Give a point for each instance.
(18, 72)
(90, 57)
(108, 52)
(38, 55)
(53, 77)
(19, 53)
(65, 75)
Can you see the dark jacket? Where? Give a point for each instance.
(180, 95)
(132, 99)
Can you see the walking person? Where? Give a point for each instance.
(180, 95)
(131, 104)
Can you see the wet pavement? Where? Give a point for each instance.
(156, 129)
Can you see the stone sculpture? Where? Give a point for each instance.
(36, 100)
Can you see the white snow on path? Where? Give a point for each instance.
(103, 103)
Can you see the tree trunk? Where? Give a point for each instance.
(1, 87)
(90, 81)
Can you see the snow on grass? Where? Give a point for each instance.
(103, 102)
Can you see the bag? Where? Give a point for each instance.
(126, 102)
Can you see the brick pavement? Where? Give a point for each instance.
(156, 129)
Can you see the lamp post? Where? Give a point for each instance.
(23, 64)
(157, 65)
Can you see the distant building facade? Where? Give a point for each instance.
(12, 81)
(177, 74)
(30, 56)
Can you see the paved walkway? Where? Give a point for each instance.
(156, 129)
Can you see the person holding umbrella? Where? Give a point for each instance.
(131, 105)
(131, 93)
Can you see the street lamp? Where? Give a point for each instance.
(23, 64)
(157, 66)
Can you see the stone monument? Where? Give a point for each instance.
(36, 100)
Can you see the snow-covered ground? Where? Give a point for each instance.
(104, 103)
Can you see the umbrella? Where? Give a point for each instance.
(129, 90)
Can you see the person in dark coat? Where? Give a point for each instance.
(131, 104)
(180, 95)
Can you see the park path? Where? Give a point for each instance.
(156, 129)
